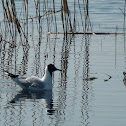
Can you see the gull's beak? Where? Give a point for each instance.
(58, 69)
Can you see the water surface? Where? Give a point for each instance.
(76, 98)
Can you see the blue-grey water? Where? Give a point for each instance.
(75, 99)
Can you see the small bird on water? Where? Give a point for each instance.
(124, 79)
(34, 83)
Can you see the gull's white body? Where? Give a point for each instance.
(34, 83)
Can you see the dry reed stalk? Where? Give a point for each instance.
(15, 17)
(66, 17)
(26, 5)
(5, 11)
(47, 18)
(88, 25)
(90, 33)
(8, 25)
(45, 14)
(87, 7)
(86, 17)
(9, 13)
(62, 18)
(65, 6)
(54, 14)
(81, 15)
(74, 23)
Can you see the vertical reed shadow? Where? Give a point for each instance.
(86, 88)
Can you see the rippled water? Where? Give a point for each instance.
(76, 99)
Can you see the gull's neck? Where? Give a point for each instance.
(47, 79)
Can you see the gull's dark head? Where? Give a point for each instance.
(51, 68)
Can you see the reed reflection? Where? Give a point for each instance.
(24, 62)
(65, 55)
(62, 90)
(85, 92)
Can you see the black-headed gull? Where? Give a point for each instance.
(34, 83)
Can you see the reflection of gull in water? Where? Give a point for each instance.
(34, 83)
(33, 96)
(124, 79)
